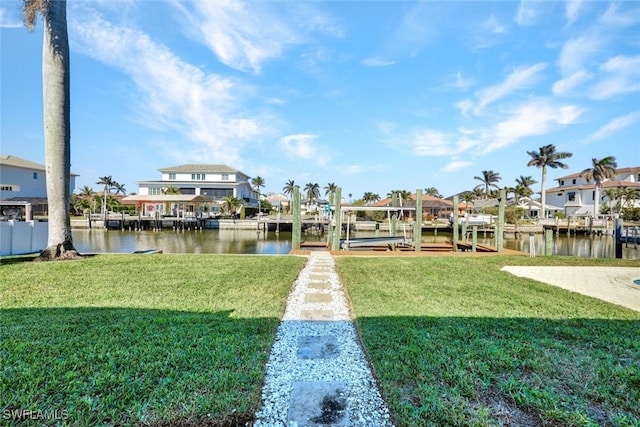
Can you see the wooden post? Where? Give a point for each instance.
(619, 227)
(455, 223)
(463, 235)
(548, 242)
(417, 227)
(297, 222)
(500, 230)
(337, 230)
(394, 225)
(474, 238)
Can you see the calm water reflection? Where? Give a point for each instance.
(252, 242)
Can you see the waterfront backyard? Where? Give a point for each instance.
(183, 339)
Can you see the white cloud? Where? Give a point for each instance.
(377, 62)
(529, 12)
(614, 126)
(572, 10)
(622, 76)
(460, 82)
(533, 118)
(456, 165)
(431, 143)
(171, 94)
(521, 77)
(577, 52)
(303, 146)
(9, 19)
(566, 86)
(245, 35)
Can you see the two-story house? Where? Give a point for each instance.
(24, 182)
(577, 195)
(204, 184)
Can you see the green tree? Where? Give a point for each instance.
(107, 181)
(330, 188)
(119, 188)
(488, 179)
(370, 198)
(258, 183)
(547, 156)
(288, 191)
(232, 205)
(432, 191)
(312, 192)
(57, 122)
(600, 171)
(469, 197)
(523, 187)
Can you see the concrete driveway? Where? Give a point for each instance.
(611, 284)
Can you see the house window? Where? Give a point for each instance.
(225, 177)
(155, 191)
(571, 196)
(172, 176)
(35, 175)
(562, 182)
(593, 195)
(198, 177)
(573, 181)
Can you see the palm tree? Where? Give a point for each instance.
(107, 181)
(523, 187)
(432, 191)
(86, 192)
(370, 198)
(600, 171)
(330, 188)
(312, 191)
(231, 205)
(468, 197)
(547, 156)
(489, 179)
(119, 188)
(258, 182)
(288, 190)
(57, 122)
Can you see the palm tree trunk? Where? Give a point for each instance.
(57, 130)
(543, 193)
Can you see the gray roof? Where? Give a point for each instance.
(194, 168)
(17, 162)
(8, 160)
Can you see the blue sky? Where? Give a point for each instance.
(373, 96)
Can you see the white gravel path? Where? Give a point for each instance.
(317, 313)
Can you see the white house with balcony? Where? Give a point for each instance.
(23, 182)
(200, 187)
(578, 196)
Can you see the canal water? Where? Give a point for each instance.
(253, 242)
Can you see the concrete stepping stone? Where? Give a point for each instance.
(316, 315)
(318, 347)
(311, 298)
(318, 403)
(322, 286)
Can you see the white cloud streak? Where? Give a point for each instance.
(246, 35)
(621, 75)
(522, 77)
(531, 119)
(172, 94)
(303, 146)
(614, 126)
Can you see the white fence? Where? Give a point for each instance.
(22, 237)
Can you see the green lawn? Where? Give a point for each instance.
(455, 341)
(154, 339)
